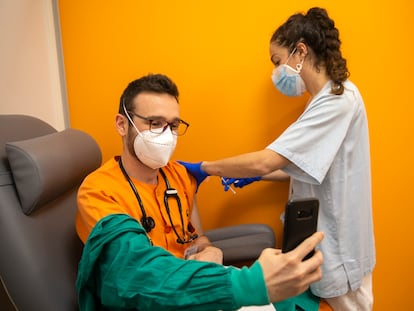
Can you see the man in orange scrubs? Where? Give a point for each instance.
(132, 183)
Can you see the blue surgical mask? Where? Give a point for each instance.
(288, 80)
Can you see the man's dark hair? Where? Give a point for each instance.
(152, 83)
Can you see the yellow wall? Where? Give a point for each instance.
(217, 53)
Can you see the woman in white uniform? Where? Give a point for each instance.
(325, 153)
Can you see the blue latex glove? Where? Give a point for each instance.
(238, 182)
(195, 170)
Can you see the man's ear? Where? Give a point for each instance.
(122, 125)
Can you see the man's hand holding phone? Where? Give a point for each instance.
(286, 274)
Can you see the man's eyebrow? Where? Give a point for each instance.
(153, 117)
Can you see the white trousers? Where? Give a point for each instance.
(362, 299)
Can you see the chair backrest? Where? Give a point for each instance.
(40, 172)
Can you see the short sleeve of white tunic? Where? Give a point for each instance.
(312, 141)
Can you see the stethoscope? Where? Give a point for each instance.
(148, 222)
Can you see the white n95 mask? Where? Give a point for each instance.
(154, 150)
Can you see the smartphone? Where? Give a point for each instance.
(301, 221)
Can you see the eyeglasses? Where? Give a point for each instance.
(157, 126)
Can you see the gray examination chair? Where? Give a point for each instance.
(40, 172)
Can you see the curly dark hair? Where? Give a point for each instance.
(318, 32)
(154, 83)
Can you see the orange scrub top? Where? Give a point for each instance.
(106, 191)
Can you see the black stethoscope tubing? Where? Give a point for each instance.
(148, 222)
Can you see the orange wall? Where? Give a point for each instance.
(217, 53)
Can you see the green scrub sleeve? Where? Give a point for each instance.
(121, 270)
(249, 287)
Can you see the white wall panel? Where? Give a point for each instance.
(31, 79)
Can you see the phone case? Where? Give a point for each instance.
(301, 220)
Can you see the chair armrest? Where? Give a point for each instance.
(242, 243)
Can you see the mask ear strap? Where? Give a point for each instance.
(299, 66)
(290, 55)
(129, 118)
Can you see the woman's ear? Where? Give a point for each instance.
(121, 123)
(302, 49)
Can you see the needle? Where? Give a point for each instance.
(231, 189)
